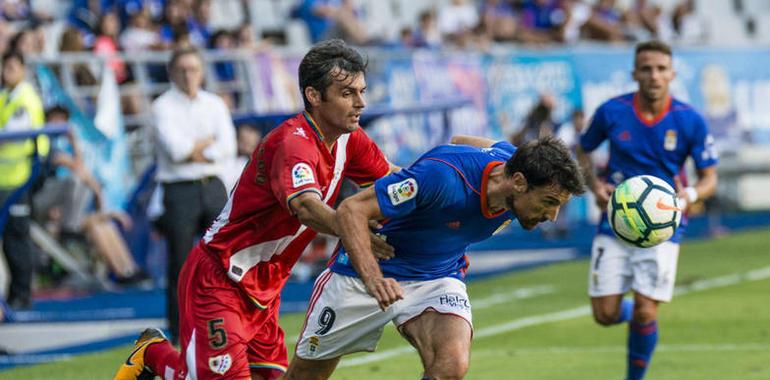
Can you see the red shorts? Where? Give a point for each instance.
(223, 333)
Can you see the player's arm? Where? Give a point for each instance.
(704, 188)
(352, 224)
(479, 142)
(601, 189)
(314, 213)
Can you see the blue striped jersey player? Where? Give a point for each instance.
(452, 196)
(649, 132)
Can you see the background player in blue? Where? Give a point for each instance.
(452, 196)
(649, 132)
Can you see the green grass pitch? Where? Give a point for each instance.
(535, 325)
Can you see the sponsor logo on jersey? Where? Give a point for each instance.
(300, 132)
(455, 225)
(301, 175)
(220, 364)
(454, 301)
(403, 191)
(669, 143)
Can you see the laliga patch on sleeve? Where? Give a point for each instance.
(403, 191)
(301, 175)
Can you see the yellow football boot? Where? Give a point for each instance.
(134, 368)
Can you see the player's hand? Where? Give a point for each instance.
(381, 249)
(385, 290)
(603, 191)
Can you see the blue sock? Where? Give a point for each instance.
(626, 310)
(641, 343)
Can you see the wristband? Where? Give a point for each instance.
(692, 194)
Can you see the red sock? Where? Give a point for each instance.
(160, 356)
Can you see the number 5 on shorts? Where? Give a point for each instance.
(217, 333)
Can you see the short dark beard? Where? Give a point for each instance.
(509, 203)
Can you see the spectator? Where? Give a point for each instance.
(328, 19)
(457, 21)
(248, 139)
(642, 21)
(427, 34)
(6, 34)
(569, 132)
(106, 44)
(15, 10)
(223, 41)
(196, 139)
(605, 23)
(541, 21)
(175, 16)
(20, 109)
(72, 42)
(498, 20)
(688, 27)
(139, 35)
(246, 39)
(538, 123)
(198, 24)
(576, 14)
(26, 43)
(64, 205)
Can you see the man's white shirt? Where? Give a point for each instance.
(179, 122)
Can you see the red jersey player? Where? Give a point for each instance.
(229, 287)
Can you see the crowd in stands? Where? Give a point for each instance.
(108, 26)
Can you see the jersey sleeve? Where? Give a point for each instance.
(596, 132)
(424, 184)
(703, 151)
(293, 171)
(366, 163)
(503, 150)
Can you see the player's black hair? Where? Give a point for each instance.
(327, 61)
(545, 162)
(652, 45)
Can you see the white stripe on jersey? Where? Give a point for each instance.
(249, 257)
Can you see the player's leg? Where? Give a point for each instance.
(609, 279)
(436, 318)
(342, 318)
(444, 344)
(654, 275)
(267, 349)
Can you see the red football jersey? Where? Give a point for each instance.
(256, 237)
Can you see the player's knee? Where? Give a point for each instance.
(451, 362)
(606, 316)
(645, 314)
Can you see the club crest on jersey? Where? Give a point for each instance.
(301, 175)
(403, 191)
(220, 364)
(669, 143)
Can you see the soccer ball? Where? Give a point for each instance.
(644, 211)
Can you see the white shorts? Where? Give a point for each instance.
(617, 268)
(343, 318)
